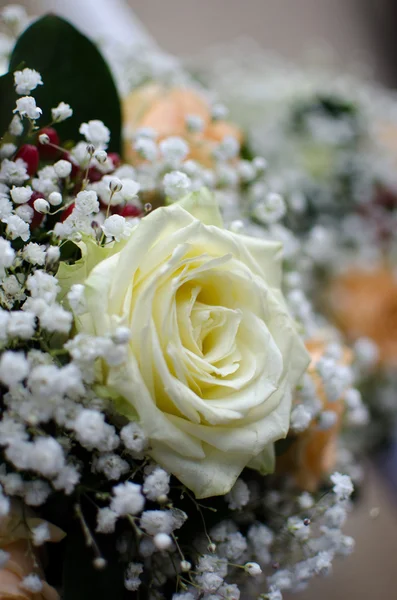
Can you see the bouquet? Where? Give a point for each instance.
(176, 416)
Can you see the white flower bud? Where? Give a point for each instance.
(44, 139)
(115, 185)
(101, 156)
(55, 199)
(252, 568)
(41, 206)
(162, 541)
(185, 566)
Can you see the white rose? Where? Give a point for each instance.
(213, 353)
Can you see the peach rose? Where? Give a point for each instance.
(165, 110)
(364, 304)
(313, 453)
(15, 534)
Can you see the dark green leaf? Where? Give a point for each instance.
(73, 71)
(7, 101)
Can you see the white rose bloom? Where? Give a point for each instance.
(213, 354)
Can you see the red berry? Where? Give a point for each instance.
(115, 158)
(46, 151)
(94, 174)
(68, 211)
(129, 210)
(30, 156)
(37, 217)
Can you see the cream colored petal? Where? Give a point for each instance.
(213, 477)
(267, 256)
(203, 206)
(265, 461)
(128, 383)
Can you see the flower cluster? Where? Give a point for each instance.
(158, 362)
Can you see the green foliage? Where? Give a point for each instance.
(7, 101)
(73, 71)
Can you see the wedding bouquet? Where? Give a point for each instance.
(175, 415)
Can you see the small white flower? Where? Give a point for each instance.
(274, 594)
(41, 206)
(96, 133)
(174, 149)
(7, 150)
(67, 479)
(32, 583)
(271, 209)
(156, 484)
(14, 368)
(130, 189)
(76, 299)
(146, 148)
(117, 227)
(239, 495)
(41, 534)
(36, 492)
(47, 456)
(16, 228)
(343, 486)
(127, 499)
(111, 465)
(21, 324)
(5, 209)
(219, 111)
(43, 285)
(61, 112)
(157, 521)
(133, 437)
(26, 81)
(194, 123)
(16, 127)
(327, 419)
(34, 254)
(14, 15)
(132, 581)
(228, 148)
(56, 318)
(13, 172)
(300, 418)
(90, 427)
(106, 520)
(53, 254)
(20, 195)
(26, 107)
(25, 212)
(87, 203)
(63, 168)
(7, 255)
(176, 184)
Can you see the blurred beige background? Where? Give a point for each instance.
(358, 31)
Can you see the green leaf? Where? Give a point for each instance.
(73, 71)
(7, 101)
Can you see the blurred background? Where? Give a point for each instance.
(355, 32)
